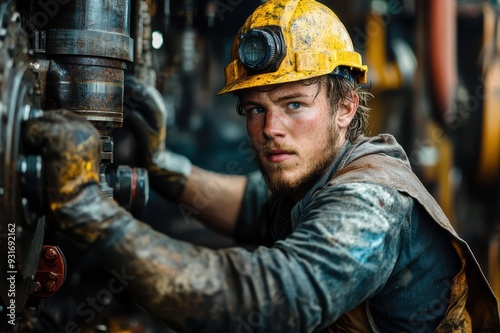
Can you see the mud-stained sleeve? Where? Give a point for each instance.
(346, 243)
(341, 253)
(253, 218)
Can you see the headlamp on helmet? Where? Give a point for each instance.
(262, 49)
(291, 40)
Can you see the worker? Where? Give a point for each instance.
(346, 237)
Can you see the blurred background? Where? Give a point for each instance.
(434, 69)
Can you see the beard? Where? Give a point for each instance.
(323, 158)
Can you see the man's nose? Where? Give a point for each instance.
(274, 124)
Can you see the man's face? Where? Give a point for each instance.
(294, 132)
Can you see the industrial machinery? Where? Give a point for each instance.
(55, 55)
(22, 223)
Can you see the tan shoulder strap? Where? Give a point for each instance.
(392, 172)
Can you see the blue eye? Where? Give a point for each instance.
(255, 110)
(294, 105)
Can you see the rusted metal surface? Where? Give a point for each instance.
(51, 272)
(91, 28)
(88, 44)
(90, 87)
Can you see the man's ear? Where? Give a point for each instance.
(347, 110)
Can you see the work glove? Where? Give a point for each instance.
(70, 148)
(146, 116)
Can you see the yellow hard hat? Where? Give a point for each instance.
(291, 40)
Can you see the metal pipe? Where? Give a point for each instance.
(89, 47)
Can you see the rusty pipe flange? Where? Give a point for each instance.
(90, 43)
(91, 28)
(90, 87)
(89, 47)
(21, 223)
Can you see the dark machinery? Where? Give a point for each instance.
(67, 54)
(83, 51)
(22, 222)
(55, 55)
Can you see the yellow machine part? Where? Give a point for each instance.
(489, 160)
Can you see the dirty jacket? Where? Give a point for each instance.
(351, 256)
(386, 219)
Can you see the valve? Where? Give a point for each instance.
(130, 186)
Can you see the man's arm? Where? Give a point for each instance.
(215, 199)
(300, 284)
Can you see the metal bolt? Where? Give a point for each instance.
(35, 113)
(53, 276)
(50, 254)
(22, 165)
(38, 287)
(107, 146)
(26, 112)
(50, 286)
(16, 17)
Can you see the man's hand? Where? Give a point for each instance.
(70, 147)
(146, 116)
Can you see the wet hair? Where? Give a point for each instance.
(340, 90)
